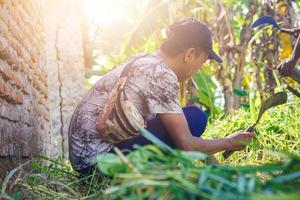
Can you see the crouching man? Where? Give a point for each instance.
(153, 87)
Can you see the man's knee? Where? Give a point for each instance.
(196, 118)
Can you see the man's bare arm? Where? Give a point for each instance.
(182, 138)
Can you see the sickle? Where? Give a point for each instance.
(272, 101)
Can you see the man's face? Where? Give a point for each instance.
(192, 64)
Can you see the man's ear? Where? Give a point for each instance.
(189, 55)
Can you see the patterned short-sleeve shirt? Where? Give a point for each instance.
(153, 88)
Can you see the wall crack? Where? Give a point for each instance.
(58, 59)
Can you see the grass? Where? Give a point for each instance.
(269, 168)
(278, 131)
(163, 174)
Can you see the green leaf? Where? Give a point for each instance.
(241, 93)
(286, 177)
(194, 155)
(245, 106)
(110, 164)
(206, 92)
(16, 196)
(31, 180)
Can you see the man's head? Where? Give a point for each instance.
(189, 43)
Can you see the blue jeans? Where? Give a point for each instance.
(197, 122)
(196, 119)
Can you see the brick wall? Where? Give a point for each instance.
(24, 110)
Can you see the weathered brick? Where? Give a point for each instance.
(8, 92)
(5, 71)
(19, 99)
(3, 48)
(5, 31)
(17, 81)
(3, 27)
(2, 88)
(7, 112)
(12, 60)
(35, 82)
(3, 14)
(14, 97)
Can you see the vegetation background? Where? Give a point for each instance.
(249, 55)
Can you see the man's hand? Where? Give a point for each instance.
(238, 140)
